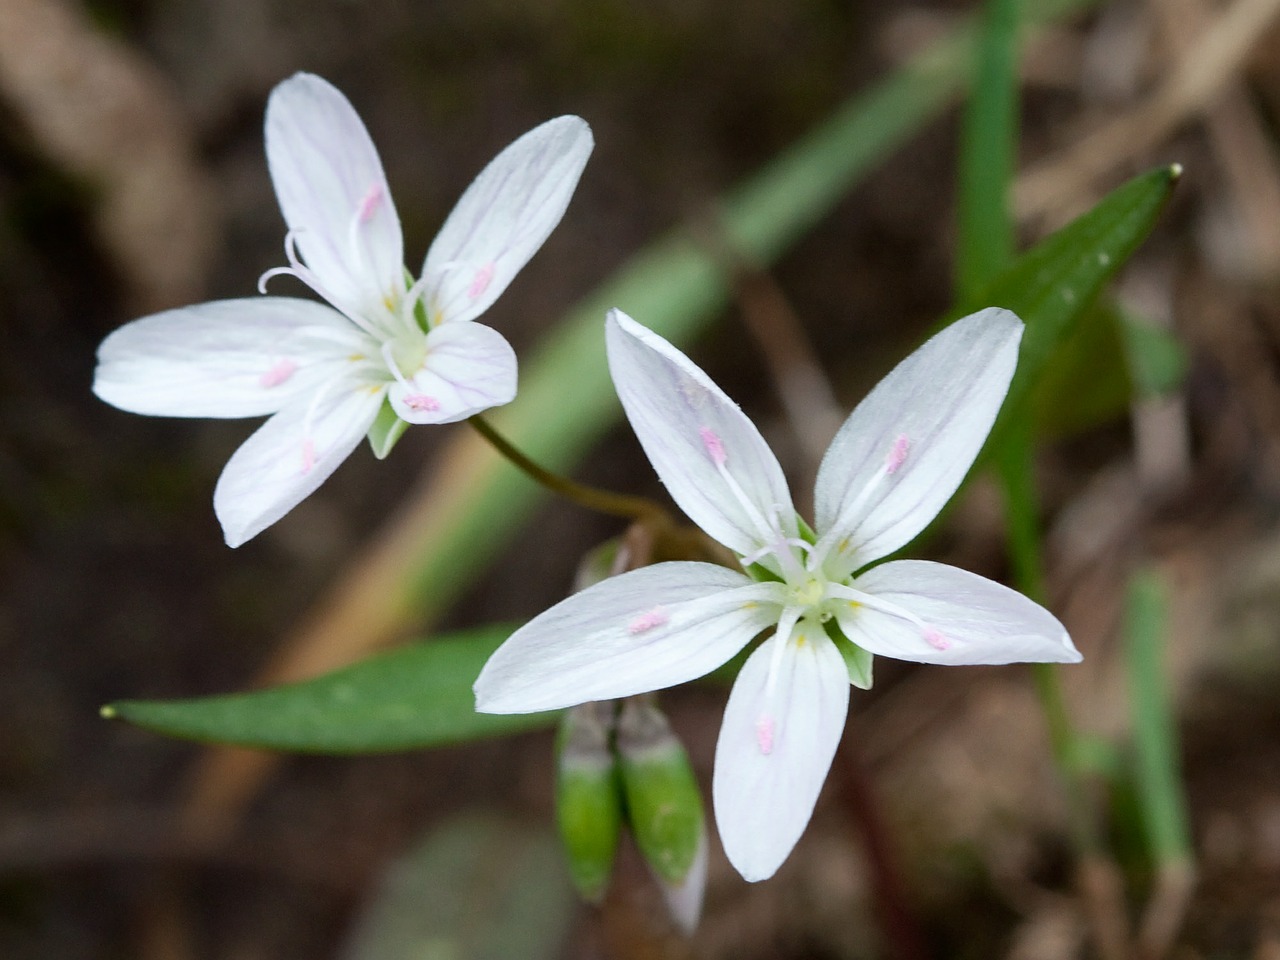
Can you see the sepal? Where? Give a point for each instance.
(386, 431)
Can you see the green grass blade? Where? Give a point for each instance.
(1163, 805)
(412, 697)
(988, 147)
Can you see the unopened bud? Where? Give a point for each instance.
(664, 806)
(588, 797)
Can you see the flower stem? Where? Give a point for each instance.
(603, 501)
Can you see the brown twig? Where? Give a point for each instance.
(1059, 185)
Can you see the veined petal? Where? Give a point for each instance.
(907, 446)
(781, 728)
(290, 455)
(229, 358)
(333, 192)
(644, 630)
(711, 457)
(468, 368)
(953, 617)
(503, 218)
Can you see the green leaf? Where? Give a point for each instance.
(417, 696)
(386, 430)
(1053, 285)
(1088, 382)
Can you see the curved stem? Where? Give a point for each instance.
(604, 501)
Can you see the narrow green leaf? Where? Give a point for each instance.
(1164, 809)
(988, 145)
(1053, 285)
(413, 697)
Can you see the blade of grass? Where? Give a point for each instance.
(988, 144)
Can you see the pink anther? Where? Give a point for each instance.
(714, 445)
(656, 617)
(422, 403)
(308, 455)
(898, 455)
(278, 374)
(480, 282)
(764, 733)
(936, 640)
(372, 199)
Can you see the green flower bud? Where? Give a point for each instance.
(588, 798)
(664, 805)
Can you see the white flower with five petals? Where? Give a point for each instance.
(893, 465)
(325, 372)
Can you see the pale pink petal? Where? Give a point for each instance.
(903, 452)
(714, 462)
(333, 192)
(290, 456)
(776, 745)
(503, 218)
(468, 368)
(229, 358)
(644, 630)
(953, 617)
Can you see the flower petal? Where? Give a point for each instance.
(504, 217)
(907, 446)
(954, 617)
(469, 368)
(229, 358)
(290, 455)
(776, 745)
(644, 630)
(333, 192)
(714, 462)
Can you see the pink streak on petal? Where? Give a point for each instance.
(656, 617)
(278, 374)
(480, 282)
(936, 639)
(898, 455)
(714, 445)
(308, 455)
(764, 733)
(420, 401)
(369, 205)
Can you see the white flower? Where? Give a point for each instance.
(325, 372)
(893, 465)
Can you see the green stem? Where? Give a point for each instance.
(603, 501)
(1013, 462)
